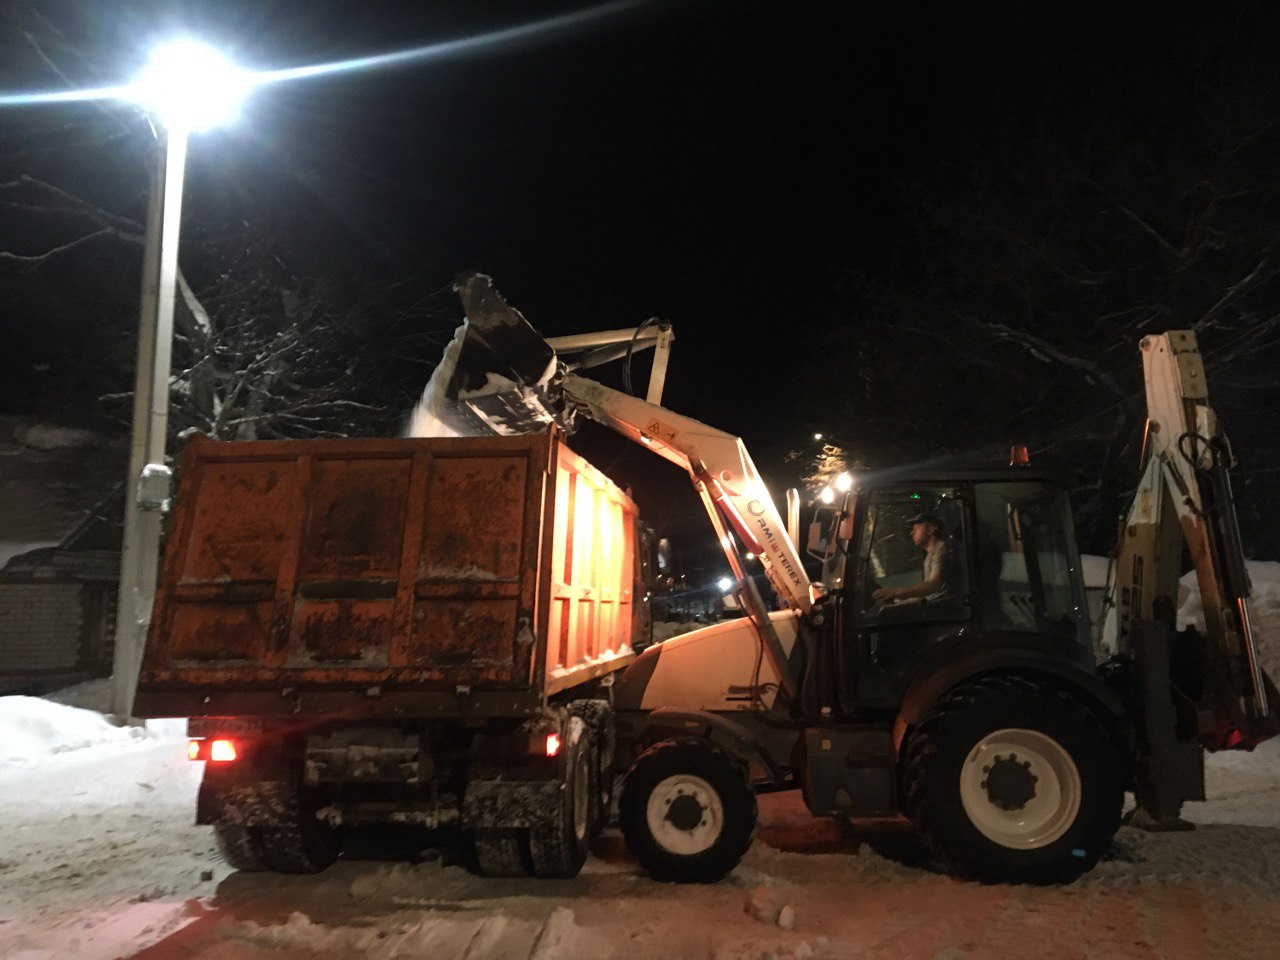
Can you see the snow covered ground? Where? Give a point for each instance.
(99, 859)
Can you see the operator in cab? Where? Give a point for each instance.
(929, 534)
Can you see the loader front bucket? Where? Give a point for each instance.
(498, 376)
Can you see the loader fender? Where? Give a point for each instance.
(939, 676)
(733, 738)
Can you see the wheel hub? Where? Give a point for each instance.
(1009, 782)
(685, 812)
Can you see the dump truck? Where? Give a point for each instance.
(415, 631)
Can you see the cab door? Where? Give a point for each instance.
(880, 641)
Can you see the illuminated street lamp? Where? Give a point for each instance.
(186, 87)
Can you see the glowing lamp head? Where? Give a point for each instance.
(844, 482)
(827, 495)
(725, 584)
(553, 744)
(189, 85)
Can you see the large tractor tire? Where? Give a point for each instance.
(1013, 781)
(558, 845)
(687, 811)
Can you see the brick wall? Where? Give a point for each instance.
(42, 627)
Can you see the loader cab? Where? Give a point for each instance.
(1011, 584)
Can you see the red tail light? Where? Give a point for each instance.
(553, 744)
(222, 751)
(193, 749)
(1019, 456)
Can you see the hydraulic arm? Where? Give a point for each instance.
(718, 463)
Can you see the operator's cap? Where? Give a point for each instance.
(927, 516)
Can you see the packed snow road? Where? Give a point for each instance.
(98, 859)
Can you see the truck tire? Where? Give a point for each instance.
(687, 811)
(240, 846)
(558, 845)
(1013, 781)
(295, 840)
(502, 852)
(598, 716)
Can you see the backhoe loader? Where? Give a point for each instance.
(980, 712)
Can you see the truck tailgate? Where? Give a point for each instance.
(352, 561)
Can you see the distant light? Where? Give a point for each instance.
(725, 584)
(750, 555)
(222, 751)
(844, 482)
(827, 495)
(189, 85)
(817, 436)
(553, 744)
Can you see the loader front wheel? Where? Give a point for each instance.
(687, 811)
(1013, 781)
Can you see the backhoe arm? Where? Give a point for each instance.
(1185, 497)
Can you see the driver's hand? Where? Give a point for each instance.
(882, 593)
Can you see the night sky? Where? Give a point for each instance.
(721, 165)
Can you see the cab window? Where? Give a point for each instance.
(897, 555)
(1031, 567)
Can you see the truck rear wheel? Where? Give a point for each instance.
(687, 811)
(272, 825)
(558, 845)
(598, 716)
(1013, 781)
(240, 846)
(502, 852)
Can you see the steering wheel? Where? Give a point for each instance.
(871, 586)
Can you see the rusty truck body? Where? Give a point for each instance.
(416, 630)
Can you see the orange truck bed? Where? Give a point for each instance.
(423, 577)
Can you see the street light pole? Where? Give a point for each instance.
(143, 509)
(187, 86)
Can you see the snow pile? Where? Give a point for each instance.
(426, 419)
(33, 729)
(46, 436)
(1264, 606)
